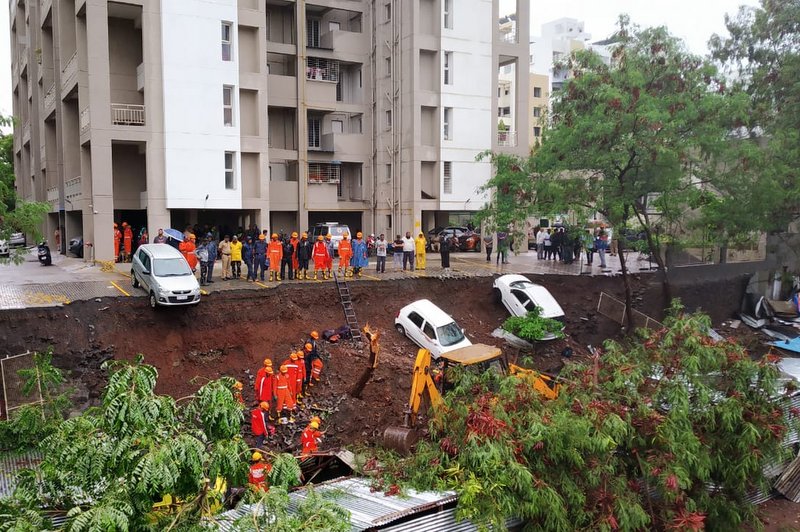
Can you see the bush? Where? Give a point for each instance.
(533, 326)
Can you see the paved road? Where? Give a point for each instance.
(68, 279)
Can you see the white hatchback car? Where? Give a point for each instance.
(162, 271)
(430, 327)
(519, 295)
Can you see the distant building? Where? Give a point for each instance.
(277, 113)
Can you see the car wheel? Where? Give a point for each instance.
(153, 300)
(134, 280)
(400, 329)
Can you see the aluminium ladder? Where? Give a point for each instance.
(347, 307)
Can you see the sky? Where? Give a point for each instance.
(692, 20)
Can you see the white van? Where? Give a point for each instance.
(162, 272)
(430, 327)
(335, 229)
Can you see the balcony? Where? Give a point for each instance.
(507, 139)
(84, 120)
(69, 72)
(127, 114)
(73, 188)
(282, 90)
(320, 69)
(50, 99)
(52, 196)
(345, 143)
(26, 132)
(509, 37)
(345, 42)
(323, 173)
(140, 77)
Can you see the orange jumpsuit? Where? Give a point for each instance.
(275, 254)
(301, 375)
(316, 370)
(295, 261)
(293, 368)
(258, 475)
(265, 388)
(310, 440)
(127, 242)
(282, 391)
(345, 253)
(187, 248)
(320, 255)
(117, 238)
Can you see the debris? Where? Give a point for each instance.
(98, 300)
(102, 309)
(735, 324)
(788, 483)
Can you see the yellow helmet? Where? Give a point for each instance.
(305, 235)
(274, 235)
(238, 385)
(328, 236)
(314, 425)
(294, 234)
(267, 362)
(316, 419)
(256, 457)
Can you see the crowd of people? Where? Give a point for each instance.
(559, 244)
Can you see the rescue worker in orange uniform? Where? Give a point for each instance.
(258, 472)
(275, 255)
(266, 391)
(345, 253)
(293, 367)
(320, 256)
(127, 240)
(283, 393)
(187, 248)
(117, 239)
(237, 392)
(310, 439)
(260, 375)
(301, 374)
(295, 262)
(316, 366)
(259, 424)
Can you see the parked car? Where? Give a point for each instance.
(334, 228)
(520, 295)
(164, 274)
(18, 240)
(4, 248)
(461, 239)
(76, 246)
(430, 327)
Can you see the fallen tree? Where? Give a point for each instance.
(667, 433)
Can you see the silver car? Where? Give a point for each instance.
(164, 274)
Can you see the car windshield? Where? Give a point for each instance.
(522, 285)
(171, 267)
(449, 334)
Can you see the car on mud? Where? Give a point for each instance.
(430, 327)
(520, 295)
(164, 274)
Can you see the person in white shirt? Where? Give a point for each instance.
(381, 245)
(409, 246)
(540, 243)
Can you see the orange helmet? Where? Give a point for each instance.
(294, 234)
(305, 235)
(115, 224)
(309, 347)
(262, 237)
(284, 369)
(274, 235)
(264, 405)
(238, 385)
(320, 238)
(328, 236)
(267, 362)
(358, 235)
(293, 355)
(268, 370)
(300, 354)
(315, 335)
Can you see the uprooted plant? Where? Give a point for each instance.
(667, 433)
(533, 326)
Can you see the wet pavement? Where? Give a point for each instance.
(70, 279)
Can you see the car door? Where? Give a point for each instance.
(146, 269)
(415, 329)
(429, 338)
(518, 302)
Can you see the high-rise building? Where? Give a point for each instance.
(269, 112)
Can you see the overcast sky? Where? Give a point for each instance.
(692, 20)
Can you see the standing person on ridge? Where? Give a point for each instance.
(236, 258)
(274, 256)
(381, 247)
(408, 251)
(320, 255)
(304, 254)
(295, 261)
(331, 254)
(420, 244)
(345, 253)
(360, 258)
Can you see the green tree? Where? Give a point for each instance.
(16, 215)
(109, 465)
(670, 431)
(762, 57)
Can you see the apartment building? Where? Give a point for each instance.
(270, 112)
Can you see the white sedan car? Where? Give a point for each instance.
(520, 296)
(430, 327)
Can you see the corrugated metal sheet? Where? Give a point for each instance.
(444, 521)
(788, 484)
(11, 464)
(368, 510)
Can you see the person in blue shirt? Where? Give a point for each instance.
(212, 256)
(359, 259)
(260, 258)
(247, 256)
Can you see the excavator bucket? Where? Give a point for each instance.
(400, 439)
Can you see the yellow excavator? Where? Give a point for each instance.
(431, 381)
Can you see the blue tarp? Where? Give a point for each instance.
(792, 345)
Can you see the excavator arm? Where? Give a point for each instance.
(421, 382)
(544, 384)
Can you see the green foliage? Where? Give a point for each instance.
(285, 472)
(107, 466)
(30, 424)
(315, 513)
(533, 326)
(634, 441)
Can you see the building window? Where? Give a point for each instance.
(506, 91)
(388, 119)
(387, 10)
(448, 14)
(447, 126)
(537, 112)
(312, 33)
(388, 63)
(227, 41)
(314, 133)
(537, 92)
(448, 68)
(230, 172)
(320, 69)
(537, 131)
(227, 105)
(448, 177)
(337, 126)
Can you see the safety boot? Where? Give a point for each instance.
(359, 275)
(270, 277)
(305, 275)
(315, 275)
(277, 277)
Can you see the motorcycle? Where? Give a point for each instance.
(45, 258)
